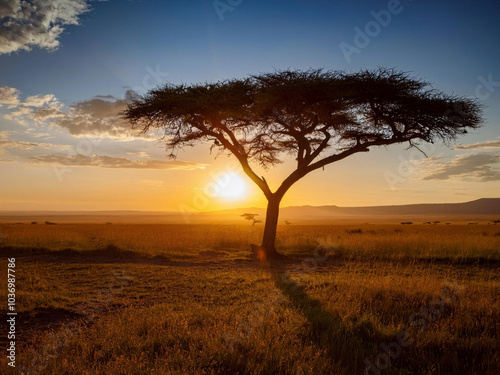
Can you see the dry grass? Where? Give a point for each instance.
(177, 299)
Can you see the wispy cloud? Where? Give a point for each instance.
(479, 167)
(140, 154)
(113, 162)
(9, 95)
(98, 118)
(40, 100)
(36, 23)
(481, 145)
(37, 107)
(22, 145)
(6, 143)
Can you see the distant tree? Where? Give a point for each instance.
(320, 117)
(287, 222)
(406, 222)
(252, 218)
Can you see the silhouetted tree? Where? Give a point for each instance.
(248, 216)
(319, 117)
(252, 218)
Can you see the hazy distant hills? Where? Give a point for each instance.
(475, 210)
(485, 206)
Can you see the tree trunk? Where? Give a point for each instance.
(268, 242)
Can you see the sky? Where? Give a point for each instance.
(68, 67)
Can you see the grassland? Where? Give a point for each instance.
(187, 299)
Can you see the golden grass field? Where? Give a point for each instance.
(188, 299)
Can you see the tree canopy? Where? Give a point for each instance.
(318, 116)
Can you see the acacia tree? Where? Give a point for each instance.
(319, 117)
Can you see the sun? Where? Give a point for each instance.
(230, 186)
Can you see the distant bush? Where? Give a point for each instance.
(33, 222)
(49, 223)
(406, 222)
(354, 231)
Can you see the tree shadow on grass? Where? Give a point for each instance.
(347, 348)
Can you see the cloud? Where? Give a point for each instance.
(113, 162)
(4, 134)
(99, 118)
(24, 145)
(109, 97)
(37, 107)
(36, 23)
(33, 133)
(466, 167)
(140, 154)
(40, 100)
(42, 114)
(8, 95)
(20, 114)
(481, 145)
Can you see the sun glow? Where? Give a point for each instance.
(230, 186)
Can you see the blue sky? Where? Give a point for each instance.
(121, 45)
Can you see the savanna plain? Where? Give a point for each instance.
(189, 299)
